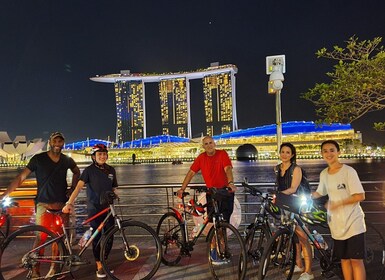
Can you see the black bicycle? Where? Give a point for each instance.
(278, 260)
(35, 252)
(223, 239)
(259, 232)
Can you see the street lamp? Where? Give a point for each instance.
(275, 67)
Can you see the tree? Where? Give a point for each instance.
(357, 86)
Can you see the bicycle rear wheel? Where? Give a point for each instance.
(18, 259)
(256, 243)
(278, 260)
(171, 235)
(227, 258)
(375, 253)
(2, 237)
(140, 260)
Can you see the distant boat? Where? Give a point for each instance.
(177, 162)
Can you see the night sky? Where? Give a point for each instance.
(50, 49)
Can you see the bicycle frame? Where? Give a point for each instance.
(65, 235)
(183, 217)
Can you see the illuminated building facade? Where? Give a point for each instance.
(174, 107)
(174, 93)
(218, 103)
(130, 111)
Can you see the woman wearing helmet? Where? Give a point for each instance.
(289, 176)
(99, 178)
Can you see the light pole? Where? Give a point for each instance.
(275, 67)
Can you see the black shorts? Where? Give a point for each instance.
(351, 248)
(226, 206)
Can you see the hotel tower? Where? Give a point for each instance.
(219, 97)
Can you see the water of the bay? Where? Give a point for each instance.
(255, 171)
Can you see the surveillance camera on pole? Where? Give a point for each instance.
(275, 67)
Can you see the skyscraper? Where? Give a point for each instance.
(218, 103)
(173, 107)
(174, 93)
(130, 110)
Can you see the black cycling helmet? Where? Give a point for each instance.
(99, 148)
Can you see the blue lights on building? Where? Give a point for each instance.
(294, 127)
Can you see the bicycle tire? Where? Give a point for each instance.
(172, 235)
(17, 258)
(232, 256)
(2, 237)
(143, 258)
(375, 253)
(278, 260)
(255, 243)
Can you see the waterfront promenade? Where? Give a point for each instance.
(194, 268)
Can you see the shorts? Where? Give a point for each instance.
(226, 206)
(46, 219)
(351, 248)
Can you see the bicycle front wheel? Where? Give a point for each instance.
(278, 260)
(19, 259)
(256, 243)
(375, 253)
(172, 236)
(134, 252)
(226, 252)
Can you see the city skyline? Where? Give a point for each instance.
(219, 101)
(50, 49)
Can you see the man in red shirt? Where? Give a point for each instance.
(217, 172)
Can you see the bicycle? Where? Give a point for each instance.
(278, 260)
(135, 249)
(259, 232)
(229, 247)
(5, 217)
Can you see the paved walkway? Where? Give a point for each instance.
(194, 268)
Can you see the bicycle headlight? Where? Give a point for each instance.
(6, 201)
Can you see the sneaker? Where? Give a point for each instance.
(215, 260)
(306, 276)
(100, 273)
(297, 269)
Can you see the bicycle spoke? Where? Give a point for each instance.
(256, 243)
(142, 257)
(20, 261)
(279, 258)
(171, 235)
(227, 260)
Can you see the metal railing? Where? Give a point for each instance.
(149, 202)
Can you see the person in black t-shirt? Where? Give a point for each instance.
(51, 175)
(99, 178)
(287, 183)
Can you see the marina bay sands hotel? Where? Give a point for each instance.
(174, 93)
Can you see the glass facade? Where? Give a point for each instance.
(218, 103)
(129, 98)
(173, 107)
